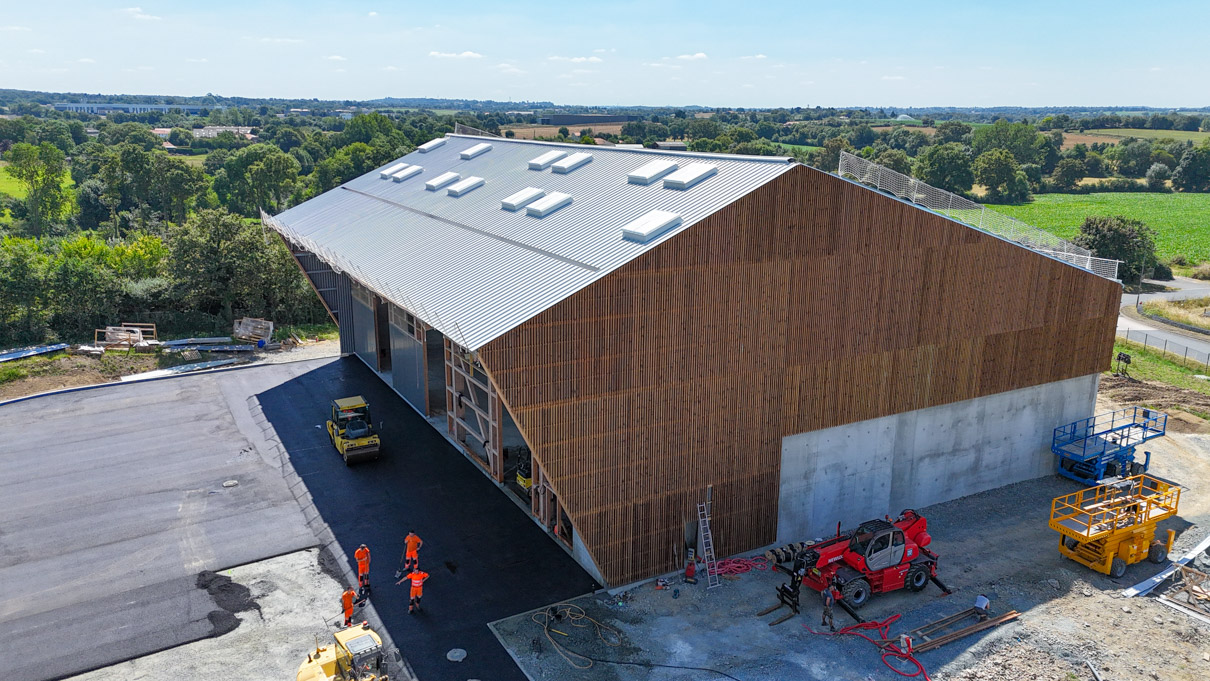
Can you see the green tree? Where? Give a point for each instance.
(1157, 177)
(946, 166)
(57, 133)
(1068, 174)
(259, 176)
(1133, 157)
(41, 170)
(705, 128)
(741, 134)
(895, 159)
(1192, 174)
(1120, 238)
(22, 291)
(180, 137)
(862, 136)
(564, 132)
(828, 158)
(216, 261)
(995, 170)
(1019, 139)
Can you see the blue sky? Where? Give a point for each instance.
(943, 53)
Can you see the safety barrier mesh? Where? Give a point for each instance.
(976, 215)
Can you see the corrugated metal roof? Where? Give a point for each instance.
(474, 271)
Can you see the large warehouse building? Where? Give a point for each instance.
(643, 328)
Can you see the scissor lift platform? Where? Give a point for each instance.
(1111, 526)
(1102, 448)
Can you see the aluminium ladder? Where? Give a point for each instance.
(703, 528)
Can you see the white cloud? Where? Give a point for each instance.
(456, 55)
(894, 78)
(390, 68)
(749, 85)
(335, 57)
(779, 66)
(197, 60)
(600, 50)
(1157, 68)
(806, 82)
(578, 60)
(582, 71)
(281, 41)
(694, 56)
(658, 65)
(754, 56)
(510, 69)
(338, 70)
(15, 28)
(373, 14)
(138, 13)
(86, 60)
(36, 51)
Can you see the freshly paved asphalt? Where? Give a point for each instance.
(486, 558)
(111, 502)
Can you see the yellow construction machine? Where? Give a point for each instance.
(1113, 525)
(356, 656)
(351, 430)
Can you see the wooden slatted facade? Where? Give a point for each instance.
(811, 302)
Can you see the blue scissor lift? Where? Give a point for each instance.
(1102, 447)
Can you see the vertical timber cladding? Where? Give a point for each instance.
(811, 302)
(363, 326)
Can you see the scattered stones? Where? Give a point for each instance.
(1125, 608)
(1087, 592)
(1054, 583)
(456, 655)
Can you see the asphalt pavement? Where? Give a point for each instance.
(1163, 337)
(486, 557)
(112, 501)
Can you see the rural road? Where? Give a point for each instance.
(1159, 336)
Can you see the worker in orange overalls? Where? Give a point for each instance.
(417, 577)
(346, 600)
(411, 554)
(362, 555)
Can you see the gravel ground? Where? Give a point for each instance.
(996, 543)
(280, 605)
(317, 350)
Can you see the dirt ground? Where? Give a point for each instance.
(71, 371)
(1129, 391)
(290, 596)
(1070, 139)
(996, 543)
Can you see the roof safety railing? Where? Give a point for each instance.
(976, 215)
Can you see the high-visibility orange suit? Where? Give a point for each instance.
(362, 555)
(417, 577)
(411, 554)
(346, 600)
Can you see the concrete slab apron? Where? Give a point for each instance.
(868, 469)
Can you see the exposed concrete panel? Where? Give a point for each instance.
(580, 552)
(868, 469)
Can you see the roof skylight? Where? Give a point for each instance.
(548, 204)
(571, 162)
(689, 175)
(430, 145)
(520, 199)
(441, 180)
(650, 226)
(387, 172)
(543, 162)
(652, 171)
(477, 150)
(407, 172)
(460, 188)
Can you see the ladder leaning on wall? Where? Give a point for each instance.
(703, 528)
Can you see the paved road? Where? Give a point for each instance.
(112, 501)
(1159, 336)
(487, 559)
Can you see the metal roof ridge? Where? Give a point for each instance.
(594, 147)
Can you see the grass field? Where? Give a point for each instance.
(1151, 134)
(1188, 311)
(195, 161)
(9, 184)
(1149, 364)
(1181, 221)
(800, 147)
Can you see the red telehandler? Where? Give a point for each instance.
(879, 556)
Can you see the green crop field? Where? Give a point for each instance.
(1181, 221)
(9, 184)
(1181, 135)
(800, 147)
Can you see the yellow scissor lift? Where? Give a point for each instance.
(1113, 525)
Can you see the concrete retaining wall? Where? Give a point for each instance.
(868, 469)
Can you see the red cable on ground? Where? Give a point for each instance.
(888, 648)
(738, 566)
